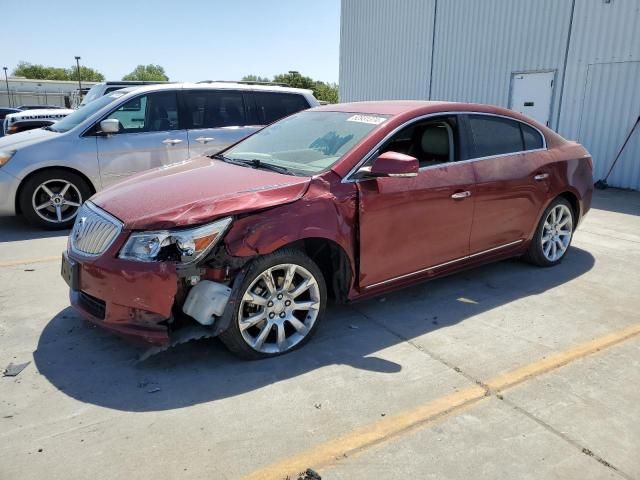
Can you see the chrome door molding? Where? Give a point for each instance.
(347, 178)
(440, 265)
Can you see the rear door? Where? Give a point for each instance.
(269, 107)
(149, 137)
(511, 181)
(214, 119)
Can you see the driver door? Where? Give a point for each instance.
(414, 226)
(149, 137)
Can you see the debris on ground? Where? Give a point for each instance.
(154, 390)
(13, 370)
(183, 335)
(308, 474)
(467, 300)
(353, 327)
(318, 406)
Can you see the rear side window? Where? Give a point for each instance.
(532, 139)
(495, 135)
(272, 106)
(214, 109)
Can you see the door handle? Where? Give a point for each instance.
(541, 176)
(461, 195)
(205, 139)
(171, 141)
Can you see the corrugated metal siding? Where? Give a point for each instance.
(610, 108)
(601, 102)
(479, 44)
(385, 49)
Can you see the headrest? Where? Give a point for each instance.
(435, 140)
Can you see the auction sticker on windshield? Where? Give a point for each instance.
(366, 119)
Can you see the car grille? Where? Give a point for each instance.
(93, 305)
(94, 230)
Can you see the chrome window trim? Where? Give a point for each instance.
(347, 178)
(440, 265)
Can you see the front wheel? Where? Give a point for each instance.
(553, 235)
(51, 199)
(279, 305)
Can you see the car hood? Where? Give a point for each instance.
(24, 139)
(196, 192)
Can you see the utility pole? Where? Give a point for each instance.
(79, 81)
(6, 81)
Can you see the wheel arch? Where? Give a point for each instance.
(333, 261)
(572, 198)
(43, 169)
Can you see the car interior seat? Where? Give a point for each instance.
(431, 144)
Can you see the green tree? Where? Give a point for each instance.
(294, 79)
(40, 72)
(149, 73)
(86, 74)
(43, 72)
(327, 92)
(254, 78)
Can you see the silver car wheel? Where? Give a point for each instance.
(56, 200)
(279, 308)
(556, 232)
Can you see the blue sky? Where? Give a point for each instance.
(192, 39)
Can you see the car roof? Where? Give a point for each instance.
(215, 86)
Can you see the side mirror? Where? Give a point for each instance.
(391, 164)
(109, 126)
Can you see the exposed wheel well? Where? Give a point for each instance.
(332, 261)
(573, 201)
(25, 179)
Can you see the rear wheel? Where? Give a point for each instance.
(553, 235)
(279, 305)
(51, 199)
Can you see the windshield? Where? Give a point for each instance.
(76, 118)
(93, 93)
(307, 142)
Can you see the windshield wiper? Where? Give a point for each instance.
(254, 162)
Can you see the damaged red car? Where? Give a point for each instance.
(341, 201)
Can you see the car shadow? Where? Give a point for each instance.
(13, 229)
(96, 367)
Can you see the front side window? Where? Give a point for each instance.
(495, 135)
(307, 142)
(153, 112)
(432, 142)
(272, 106)
(214, 109)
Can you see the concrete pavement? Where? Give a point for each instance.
(83, 407)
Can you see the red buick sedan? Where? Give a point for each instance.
(344, 201)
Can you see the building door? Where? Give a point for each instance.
(531, 95)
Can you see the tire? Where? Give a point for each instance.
(280, 326)
(553, 235)
(61, 210)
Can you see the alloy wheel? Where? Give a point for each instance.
(279, 308)
(556, 232)
(56, 200)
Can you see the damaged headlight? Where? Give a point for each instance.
(185, 246)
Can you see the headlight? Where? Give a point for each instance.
(185, 246)
(5, 155)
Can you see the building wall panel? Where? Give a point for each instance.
(385, 49)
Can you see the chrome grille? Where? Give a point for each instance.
(94, 230)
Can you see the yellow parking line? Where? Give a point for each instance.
(328, 452)
(28, 261)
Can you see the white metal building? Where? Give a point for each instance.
(26, 91)
(572, 64)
